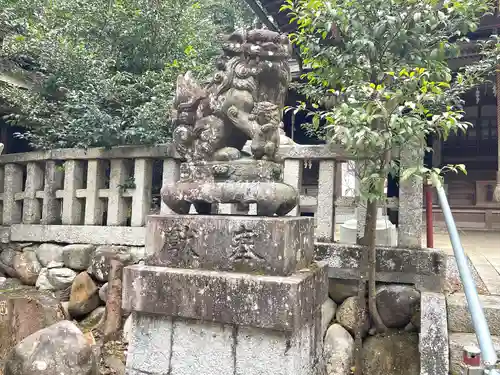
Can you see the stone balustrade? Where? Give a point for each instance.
(103, 196)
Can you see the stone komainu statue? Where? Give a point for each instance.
(243, 102)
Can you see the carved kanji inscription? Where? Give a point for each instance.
(243, 245)
(180, 239)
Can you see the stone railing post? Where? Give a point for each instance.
(73, 180)
(292, 175)
(170, 176)
(51, 206)
(13, 184)
(410, 201)
(117, 205)
(32, 209)
(142, 195)
(94, 206)
(325, 212)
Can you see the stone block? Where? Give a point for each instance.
(89, 234)
(267, 245)
(434, 350)
(161, 345)
(459, 319)
(272, 302)
(426, 269)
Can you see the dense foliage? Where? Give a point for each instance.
(385, 62)
(109, 67)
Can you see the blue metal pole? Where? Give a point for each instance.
(488, 353)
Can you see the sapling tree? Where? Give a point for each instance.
(385, 63)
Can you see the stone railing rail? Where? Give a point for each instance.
(103, 196)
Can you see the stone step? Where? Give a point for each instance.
(459, 319)
(457, 343)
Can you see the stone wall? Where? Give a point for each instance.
(53, 267)
(395, 353)
(44, 283)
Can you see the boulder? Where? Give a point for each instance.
(339, 290)
(50, 255)
(84, 296)
(393, 354)
(42, 282)
(27, 267)
(77, 257)
(100, 263)
(7, 260)
(61, 278)
(397, 304)
(22, 312)
(103, 292)
(328, 310)
(58, 349)
(347, 316)
(338, 351)
(93, 319)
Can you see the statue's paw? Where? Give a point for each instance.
(227, 154)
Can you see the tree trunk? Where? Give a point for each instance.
(358, 334)
(370, 238)
(113, 315)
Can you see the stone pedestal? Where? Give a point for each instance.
(226, 295)
(386, 232)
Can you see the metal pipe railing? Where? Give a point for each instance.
(481, 328)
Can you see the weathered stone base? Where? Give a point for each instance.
(269, 302)
(263, 245)
(193, 321)
(165, 346)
